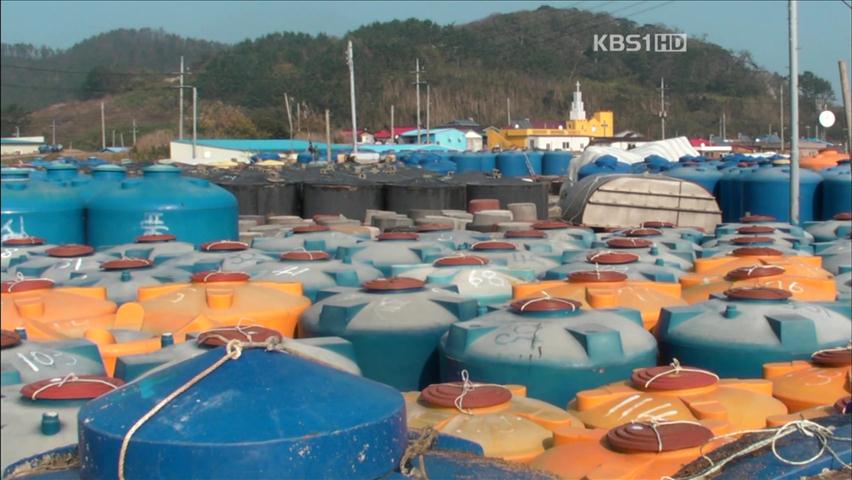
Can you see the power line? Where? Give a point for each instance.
(86, 72)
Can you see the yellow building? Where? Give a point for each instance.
(575, 135)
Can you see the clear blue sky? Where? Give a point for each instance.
(758, 26)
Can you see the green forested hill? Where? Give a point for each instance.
(532, 57)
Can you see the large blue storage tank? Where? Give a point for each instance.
(513, 164)
(162, 201)
(48, 210)
(766, 191)
(836, 192)
(603, 164)
(734, 334)
(707, 177)
(535, 159)
(467, 162)
(555, 163)
(730, 192)
(62, 172)
(550, 345)
(488, 162)
(104, 177)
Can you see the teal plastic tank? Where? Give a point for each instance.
(735, 333)
(394, 324)
(32, 208)
(550, 345)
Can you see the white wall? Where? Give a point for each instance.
(18, 149)
(182, 152)
(571, 143)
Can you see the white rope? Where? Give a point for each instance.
(676, 369)
(546, 296)
(805, 427)
(467, 387)
(654, 422)
(20, 278)
(835, 349)
(209, 246)
(73, 378)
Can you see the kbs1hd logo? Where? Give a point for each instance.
(649, 42)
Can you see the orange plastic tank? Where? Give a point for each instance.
(608, 289)
(213, 300)
(748, 256)
(49, 313)
(802, 385)
(826, 158)
(842, 406)
(500, 418)
(116, 343)
(629, 451)
(806, 282)
(673, 392)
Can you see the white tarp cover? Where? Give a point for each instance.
(671, 149)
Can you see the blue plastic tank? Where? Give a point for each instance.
(836, 193)
(162, 201)
(472, 276)
(316, 420)
(225, 255)
(440, 165)
(550, 345)
(26, 362)
(828, 230)
(706, 176)
(19, 250)
(734, 334)
(603, 164)
(766, 191)
(836, 255)
(467, 162)
(32, 208)
(157, 248)
(308, 237)
(122, 277)
(535, 159)
(514, 256)
(555, 163)
(513, 164)
(333, 351)
(315, 270)
(62, 172)
(103, 178)
(392, 249)
(304, 157)
(394, 324)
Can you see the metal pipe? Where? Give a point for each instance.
(847, 103)
(327, 137)
(794, 112)
(350, 59)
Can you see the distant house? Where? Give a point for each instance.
(363, 136)
(20, 145)
(445, 137)
(474, 141)
(464, 125)
(384, 135)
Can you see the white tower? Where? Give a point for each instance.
(577, 112)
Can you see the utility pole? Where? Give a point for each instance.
(327, 136)
(794, 112)
(663, 108)
(298, 117)
(134, 132)
(847, 103)
(417, 72)
(724, 127)
(103, 128)
(121, 139)
(289, 115)
(350, 60)
(427, 114)
(53, 134)
(508, 113)
(194, 121)
(392, 138)
(180, 102)
(113, 138)
(18, 131)
(781, 105)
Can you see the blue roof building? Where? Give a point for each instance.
(449, 138)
